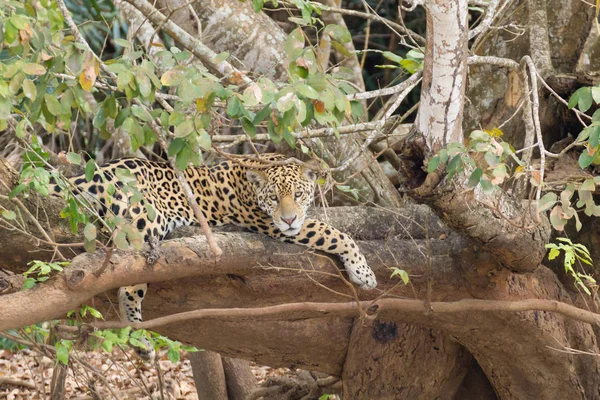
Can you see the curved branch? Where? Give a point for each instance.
(291, 311)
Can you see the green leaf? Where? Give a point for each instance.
(121, 117)
(183, 158)
(90, 168)
(10, 32)
(594, 135)
(454, 166)
(121, 240)
(585, 159)
(307, 91)
(296, 70)
(107, 345)
(574, 99)
(184, 129)
(475, 177)
(62, 352)
(137, 343)
(18, 189)
(249, 127)
(123, 42)
(556, 218)
(553, 254)
(173, 355)
(150, 211)
(28, 283)
(294, 44)
(357, 109)
(401, 273)
(257, 5)
(9, 215)
(433, 164)
(596, 94)
(176, 118)
(89, 232)
(176, 146)
(588, 184)
(141, 113)
(29, 89)
(261, 115)
(234, 107)
(415, 54)
(95, 313)
(392, 57)
(204, 140)
(74, 158)
(33, 69)
(547, 201)
(338, 32)
(144, 84)
(53, 104)
(584, 102)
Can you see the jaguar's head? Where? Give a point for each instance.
(284, 192)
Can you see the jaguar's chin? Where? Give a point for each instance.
(290, 231)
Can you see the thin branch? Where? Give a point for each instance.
(391, 24)
(387, 91)
(490, 13)
(325, 310)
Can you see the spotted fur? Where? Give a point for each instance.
(271, 201)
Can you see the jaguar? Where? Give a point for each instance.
(270, 196)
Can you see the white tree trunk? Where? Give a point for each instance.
(444, 76)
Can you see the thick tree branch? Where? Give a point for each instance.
(205, 54)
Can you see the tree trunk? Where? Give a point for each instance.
(239, 378)
(221, 378)
(209, 375)
(382, 353)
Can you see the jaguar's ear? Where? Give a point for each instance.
(256, 177)
(310, 169)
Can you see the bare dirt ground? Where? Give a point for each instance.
(25, 374)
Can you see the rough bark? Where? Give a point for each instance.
(253, 39)
(495, 93)
(185, 279)
(379, 341)
(17, 249)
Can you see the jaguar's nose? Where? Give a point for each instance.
(289, 220)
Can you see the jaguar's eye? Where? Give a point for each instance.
(273, 197)
(299, 194)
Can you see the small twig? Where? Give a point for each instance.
(107, 258)
(7, 380)
(161, 379)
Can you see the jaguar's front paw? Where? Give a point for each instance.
(359, 272)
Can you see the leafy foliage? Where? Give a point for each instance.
(40, 272)
(573, 252)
